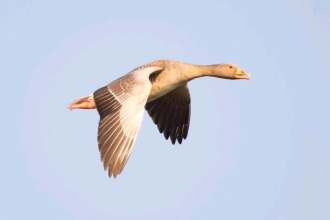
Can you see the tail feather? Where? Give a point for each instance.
(86, 102)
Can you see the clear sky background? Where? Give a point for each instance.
(257, 149)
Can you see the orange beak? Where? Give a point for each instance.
(241, 74)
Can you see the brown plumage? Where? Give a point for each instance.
(161, 88)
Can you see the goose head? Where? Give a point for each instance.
(230, 71)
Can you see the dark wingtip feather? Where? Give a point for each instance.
(171, 114)
(173, 137)
(179, 136)
(185, 131)
(166, 133)
(160, 129)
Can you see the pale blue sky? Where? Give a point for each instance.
(256, 149)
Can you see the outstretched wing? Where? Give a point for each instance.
(121, 105)
(171, 113)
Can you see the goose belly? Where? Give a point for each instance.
(159, 90)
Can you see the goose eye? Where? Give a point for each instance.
(230, 67)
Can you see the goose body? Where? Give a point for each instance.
(161, 88)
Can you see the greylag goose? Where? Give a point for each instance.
(161, 88)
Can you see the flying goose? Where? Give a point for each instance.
(161, 88)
